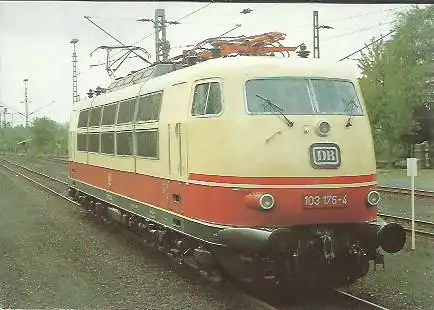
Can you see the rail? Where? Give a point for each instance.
(45, 157)
(405, 191)
(361, 300)
(407, 221)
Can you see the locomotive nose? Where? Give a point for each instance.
(391, 237)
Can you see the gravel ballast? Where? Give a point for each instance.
(53, 256)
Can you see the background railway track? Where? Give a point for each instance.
(425, 228)
(407, 224)
(50, 183)
(405, 191)
(59, 188)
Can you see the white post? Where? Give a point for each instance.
(413, 241)
(412, 172)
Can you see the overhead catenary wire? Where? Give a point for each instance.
(356, 31)
(177, 20)
(130, 19)
(111, 36)
(380, 38)
(345, 18)
(363, 15)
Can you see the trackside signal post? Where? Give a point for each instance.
(412, 172)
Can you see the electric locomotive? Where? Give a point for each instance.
(262, 167)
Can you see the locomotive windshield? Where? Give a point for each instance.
(304, 96)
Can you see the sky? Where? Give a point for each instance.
(35, 39)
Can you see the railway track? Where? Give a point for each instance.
(57, 159)
(367, 304)
(407, 224)
(405, 191)
(59, 188)
(407, 221)
(334, 300)
(63, 159)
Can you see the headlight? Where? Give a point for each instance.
(373, 198)
(259, 200)
(323, 128)
(266, 201)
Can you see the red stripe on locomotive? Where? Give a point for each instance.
(283, 180)
(226, 205)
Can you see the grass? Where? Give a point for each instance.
(400, 205)
(399, 178)
(407, 281)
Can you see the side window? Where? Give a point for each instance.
(81, 142)
(95, 116)
(108, 142)
(214, 104)
(199, 99)
(149, 107)
(109, 114)
(93, 142)
(82, 118)
(124, 143)
(207, 99)
(147, 143)
(126, 111)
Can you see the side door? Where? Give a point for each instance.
(71, 145)
(178, 98)
(177, 150)
(72, 131)
(205, 117)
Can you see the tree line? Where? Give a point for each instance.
(44, 136)
(398, 85)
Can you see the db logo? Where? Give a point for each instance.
(325, 155)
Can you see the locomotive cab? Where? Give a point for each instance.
(294, 134)
(288, 152)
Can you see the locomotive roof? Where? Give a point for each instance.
(242, 61)
(299, 66)
(222, 67)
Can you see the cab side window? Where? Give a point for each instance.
(207, 99)
(83, 118)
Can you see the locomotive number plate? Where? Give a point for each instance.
(325, 201)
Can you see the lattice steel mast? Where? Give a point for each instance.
(315, 35)
(162, 46)
(74, 74)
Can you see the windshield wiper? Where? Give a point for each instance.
(277, 109)
(349, 107)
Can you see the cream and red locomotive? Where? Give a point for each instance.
(263, 167)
